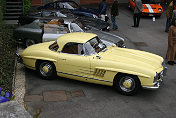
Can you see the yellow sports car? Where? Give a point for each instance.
(83, 56)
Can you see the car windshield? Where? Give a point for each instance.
(68, 5)
(46, 13)
(75, 28)
(34, 14)
(150, 1)
(54, 46)
(94, 46)
(59, 14)
(80, 24)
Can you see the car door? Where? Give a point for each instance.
(72, 62)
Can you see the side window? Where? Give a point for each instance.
(54, 46)
(47, 14)
(61, 5)
(73, 48)
(57, 5)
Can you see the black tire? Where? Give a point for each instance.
(29, 42)
(127, 84)
(46, 70)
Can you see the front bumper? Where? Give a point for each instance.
(158, 83)
(150, 14)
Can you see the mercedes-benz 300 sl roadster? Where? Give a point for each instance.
(83, 56)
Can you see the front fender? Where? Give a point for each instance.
(145, 79)
(125, 71)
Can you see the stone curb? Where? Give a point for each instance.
(18, 82)
(18, 89)
(13, 109)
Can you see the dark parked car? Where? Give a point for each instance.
(72, 6)
(39, 31)
(54, 14)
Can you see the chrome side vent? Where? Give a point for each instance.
(99, 72)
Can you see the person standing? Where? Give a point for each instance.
(114, 13)
(171, 51)
(169, 13)
(102, 10)
(137, 12)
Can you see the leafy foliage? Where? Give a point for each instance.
(7, 54)
(5, 96)
(7, 57)
(27, 5)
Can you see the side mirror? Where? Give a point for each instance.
(98, 56)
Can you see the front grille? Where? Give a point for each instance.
(160, 75)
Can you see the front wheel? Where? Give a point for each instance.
(127, 84)
(46, 70)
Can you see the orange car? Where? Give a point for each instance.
(150, 7)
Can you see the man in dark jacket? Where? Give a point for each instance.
(137, 12)
(102, 10)
(114, 13)
(169, 14)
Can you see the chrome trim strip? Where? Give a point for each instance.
(83, 72)
(29, 66)
(85, 77)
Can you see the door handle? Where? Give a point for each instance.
(63, 59)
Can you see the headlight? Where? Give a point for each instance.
(163, 63)
(155, 78)
(159, 9)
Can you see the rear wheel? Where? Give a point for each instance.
(46, 69)
(29, 42)
(127, 84)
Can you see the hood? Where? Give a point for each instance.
(93, 22)
(106, 36)
(132, 57)
(152, 8)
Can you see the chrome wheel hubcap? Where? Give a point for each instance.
(45, 69)
(127, 84)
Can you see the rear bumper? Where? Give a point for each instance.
(19, 58)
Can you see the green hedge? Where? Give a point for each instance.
(1, 13)
(27, 5)
(7, 53)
